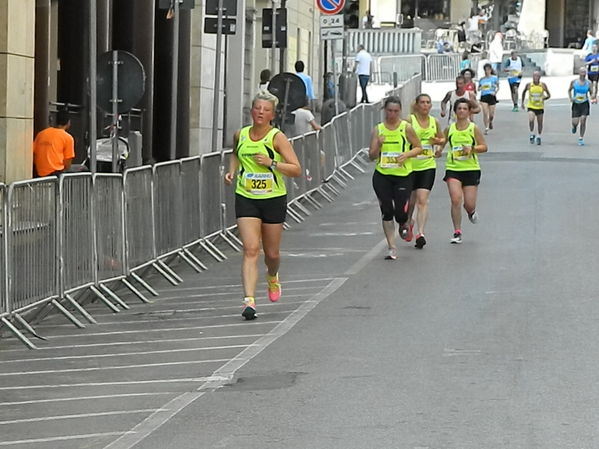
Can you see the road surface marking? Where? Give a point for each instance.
(108, 368)
(63, 438)
(122, 354)
(88, 398)
(102, 384)
(80, 416)
(227, 371)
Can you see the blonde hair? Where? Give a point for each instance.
(266, 96)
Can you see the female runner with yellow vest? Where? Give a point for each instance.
(263, 156)
(393, 143)
(462, 170)
(429, 132)
(537, 95)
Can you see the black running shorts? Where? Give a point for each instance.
(593, 76)
(580, 109)
(269, 210)
(467, 178)
(536, 111)
(490, 99)
(424, 179)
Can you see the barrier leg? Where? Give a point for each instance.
(105, 300)
(293, 214)
(227, 240)
(234, 237)
(18, 334)
(67, 314)
(170, 271)
(114, 296)
(325, 195)
(165, 274)
(135, 291)
(80, 309)
(312, 201)
(189, 262)
(330, 187)
(27, 326)
(354, 163)
(212, 250)
(144, 284)
(345, 173)
(197, 261)
(302, 208)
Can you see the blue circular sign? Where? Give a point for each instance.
(330, 6)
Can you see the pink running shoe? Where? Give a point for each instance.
(274, 287)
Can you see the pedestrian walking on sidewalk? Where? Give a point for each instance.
(363, 67)
(537, 95)
(578, 92)
(462, 169)
(393, 144)
(429, 132)
(263, 156)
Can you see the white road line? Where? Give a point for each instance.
(236, 296)
(62, 438)
(163, 312)
(137, 331)
(366, 259)
(87, 398)
(145, 342)
(123, 354)
(103, 384)
(136, 312)
(108, 368)
(227, 371)
(81, 416)
(206, 287)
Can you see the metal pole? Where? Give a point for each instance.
(114, 135)
(174, 83)
(281, 49)
(92, 84)
(224, 139)
(335, 80)
(273, 62)
(216, 94)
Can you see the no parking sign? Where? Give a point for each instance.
(330, 6)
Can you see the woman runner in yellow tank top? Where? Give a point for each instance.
(429, 132)
(263, 156)
(462, 169)
(392, 145)
(537, 95)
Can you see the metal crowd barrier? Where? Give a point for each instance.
(63, 238)
(382, 41)
(3, 279)
(405, 66)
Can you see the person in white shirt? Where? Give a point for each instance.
(304, 121)
(363, 68)
(496, 52)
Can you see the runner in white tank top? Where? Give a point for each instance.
(453, 95)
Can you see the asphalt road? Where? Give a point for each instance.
(488, 344)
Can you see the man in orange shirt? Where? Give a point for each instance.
(54, 147)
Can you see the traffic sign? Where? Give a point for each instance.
(331, 27)
(330, 6)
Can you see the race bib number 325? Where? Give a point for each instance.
(258, 183)
(390, 160)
